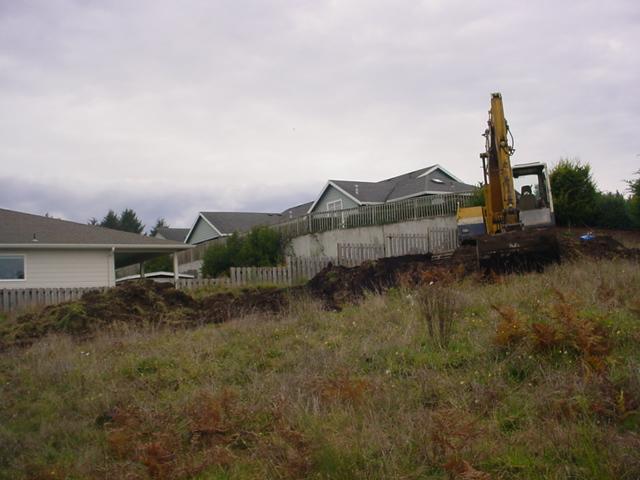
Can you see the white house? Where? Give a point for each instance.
(43, 252)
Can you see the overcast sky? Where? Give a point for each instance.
(172, 107)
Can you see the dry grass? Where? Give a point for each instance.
(539, 377)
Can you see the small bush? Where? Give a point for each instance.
(438, 307)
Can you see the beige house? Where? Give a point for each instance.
(43, 252)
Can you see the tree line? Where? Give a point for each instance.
(578, 201)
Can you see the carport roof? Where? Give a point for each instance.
(25, 230)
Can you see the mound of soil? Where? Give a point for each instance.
(337, 285)
(139, 303)
(601, 247)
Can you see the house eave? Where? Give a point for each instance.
(426, 192)
(94, 246)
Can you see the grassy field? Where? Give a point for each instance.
(530, 377)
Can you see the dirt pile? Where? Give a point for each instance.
(139, 303)
(337, 285)
(572, 247)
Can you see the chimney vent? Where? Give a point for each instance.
(356, 189)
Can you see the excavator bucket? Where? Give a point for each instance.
(524, 250)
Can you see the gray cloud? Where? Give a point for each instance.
(247, 104)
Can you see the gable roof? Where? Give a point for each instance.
(429, 180)
(229, 222)
(25, 229)
(295, 212)
(226, 223)
(175, 234)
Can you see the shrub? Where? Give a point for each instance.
(612, 211)
(574, 193)
(261, 247)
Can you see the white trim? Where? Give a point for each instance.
(331, 205)
(427, 192)
(160, 274)
(24, 267)
(437, 166)
(201, 216)
(322, 192)
(95, 246)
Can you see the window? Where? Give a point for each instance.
(335, 205)
(11, 267)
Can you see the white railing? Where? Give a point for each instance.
(371, 215)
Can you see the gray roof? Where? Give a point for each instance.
(403, 186)
(26, 228)
(230, 222)
(175, 234)
(295, 212)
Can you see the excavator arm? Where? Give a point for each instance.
(501, 214)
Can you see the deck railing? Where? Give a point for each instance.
(371, 215)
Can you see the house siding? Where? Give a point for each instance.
(202, 232)
(331, 194)
(64, 268)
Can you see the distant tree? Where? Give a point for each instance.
(612, 211)
(129, 222)
(93, 221)
(160, 223)
(111, 220)
(574, 193)
(634, 185)
(633, 204)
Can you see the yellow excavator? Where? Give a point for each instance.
(511, 221)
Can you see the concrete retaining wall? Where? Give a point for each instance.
(325, 244)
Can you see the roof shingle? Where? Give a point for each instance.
(26, 228)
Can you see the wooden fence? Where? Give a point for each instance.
(436, 241)
(297, 270)
(351, 254)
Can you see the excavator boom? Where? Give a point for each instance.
(499, 193)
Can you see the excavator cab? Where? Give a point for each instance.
(533, 195)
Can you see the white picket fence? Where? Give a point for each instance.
(436, 241)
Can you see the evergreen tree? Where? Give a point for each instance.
(129, 222)
(111, 220)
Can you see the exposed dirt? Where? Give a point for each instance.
(161, 304)
(140, 303)
(337, 285)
